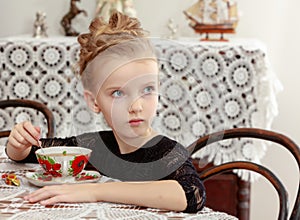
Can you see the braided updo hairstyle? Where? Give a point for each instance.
(102, 35)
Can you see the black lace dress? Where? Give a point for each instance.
(159, 159)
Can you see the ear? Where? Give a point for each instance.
(90, 100)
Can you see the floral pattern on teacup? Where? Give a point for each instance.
(50, 166)
(55, 169)
(77, 165)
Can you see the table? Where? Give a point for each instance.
(12, 205)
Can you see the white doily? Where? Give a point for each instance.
(65, 211)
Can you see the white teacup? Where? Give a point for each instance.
(63, 161)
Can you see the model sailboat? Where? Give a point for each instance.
(213, 16)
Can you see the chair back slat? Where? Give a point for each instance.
(33, 105)
(262, 134)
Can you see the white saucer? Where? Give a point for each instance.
(40, 179)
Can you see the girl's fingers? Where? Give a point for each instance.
(16, 140)
(40, 194)
(50, 201)
(15, 143)
(32, 130)
(26, 133)
(50, 195)
(55, 199)
(23, 139)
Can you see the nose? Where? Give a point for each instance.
(136, 105)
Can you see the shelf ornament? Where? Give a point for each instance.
(104, 8)
(40, 26)
(66, 21)
(213, 17)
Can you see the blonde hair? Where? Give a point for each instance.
(102, 35)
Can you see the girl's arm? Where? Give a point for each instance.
(164, 194)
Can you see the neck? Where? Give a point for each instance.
(128, 145)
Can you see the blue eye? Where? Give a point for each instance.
(148, 90)
(117, 93)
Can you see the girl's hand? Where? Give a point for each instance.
(21, 138)
(50, 195)
(24, 135)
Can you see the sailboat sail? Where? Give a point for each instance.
(212, 12)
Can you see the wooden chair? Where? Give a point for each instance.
(275, 137)
(30, 104)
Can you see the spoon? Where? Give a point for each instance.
(38, 141)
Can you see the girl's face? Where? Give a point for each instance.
(128, 99)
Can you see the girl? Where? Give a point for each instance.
(119, 72)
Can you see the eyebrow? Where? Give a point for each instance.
(150, 83)
(112, 88)
(116, 87)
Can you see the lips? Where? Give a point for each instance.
(135, 122)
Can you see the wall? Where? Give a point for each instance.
(275, 22)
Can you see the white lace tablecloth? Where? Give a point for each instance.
(13, 206)
(205, 87)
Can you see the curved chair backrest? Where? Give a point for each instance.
(30, 104)
(272, 136)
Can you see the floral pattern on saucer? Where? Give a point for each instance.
(41, 178)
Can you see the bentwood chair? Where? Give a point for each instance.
(40, 107)
(266, 135)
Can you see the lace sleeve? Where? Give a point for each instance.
(50, 142)
(193, 187)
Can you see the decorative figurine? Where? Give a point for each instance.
(66, 21)
(40, 27)
(213, 17)
(172, 28)
(128, 8)
(106, 7)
